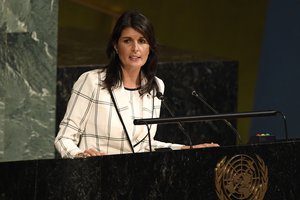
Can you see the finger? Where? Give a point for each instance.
(99, 153)
(93, 152)
(103, 154)
(96, 153)
(206, 145)
(90, 152)
(212, 145)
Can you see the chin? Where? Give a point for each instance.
(137, 65)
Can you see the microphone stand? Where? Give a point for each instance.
(194, 93)
(161, 97)
(179, 125)
(212, 117)
(149, 137)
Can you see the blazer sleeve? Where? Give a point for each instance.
(77, 113)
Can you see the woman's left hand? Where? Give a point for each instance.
(204, 145)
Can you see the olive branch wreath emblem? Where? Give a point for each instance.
(241, 178)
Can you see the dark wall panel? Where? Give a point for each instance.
(279, 76)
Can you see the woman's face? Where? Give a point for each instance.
(133, 49)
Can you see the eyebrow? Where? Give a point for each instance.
(128, 37)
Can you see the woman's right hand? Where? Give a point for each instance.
(90, 153)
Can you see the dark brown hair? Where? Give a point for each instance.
(140, 23)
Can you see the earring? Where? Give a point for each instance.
(117, 51)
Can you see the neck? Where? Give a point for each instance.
(131, 79)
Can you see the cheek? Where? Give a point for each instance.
(147, 52)
(122, 51)
(122, 54)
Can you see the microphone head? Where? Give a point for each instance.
(160, 96)
(194, 93)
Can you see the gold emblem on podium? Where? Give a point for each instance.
(241, 178)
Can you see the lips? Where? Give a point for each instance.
(134, 57)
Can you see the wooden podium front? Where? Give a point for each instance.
(264, 171)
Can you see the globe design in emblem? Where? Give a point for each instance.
(241, 177)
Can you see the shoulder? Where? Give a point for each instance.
(98, 74)
(93, 76)
(90, 79)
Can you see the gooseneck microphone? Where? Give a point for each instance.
(194, 93)
(161, 97)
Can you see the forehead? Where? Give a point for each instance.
(131, 32)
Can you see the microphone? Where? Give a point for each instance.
(199, 97)
(161, 97)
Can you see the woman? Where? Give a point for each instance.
(104, 102)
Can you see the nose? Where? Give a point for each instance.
(135, 46)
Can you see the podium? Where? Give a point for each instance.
(261, 171)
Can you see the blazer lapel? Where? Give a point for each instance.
(122, 105)
(146, 113)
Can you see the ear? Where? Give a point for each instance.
(115, 47)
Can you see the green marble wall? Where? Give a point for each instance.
(28, 55)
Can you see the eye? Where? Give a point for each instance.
(143, 41)
(127, 41)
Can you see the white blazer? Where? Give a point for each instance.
(91, 120)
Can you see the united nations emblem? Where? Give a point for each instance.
(241, 178)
